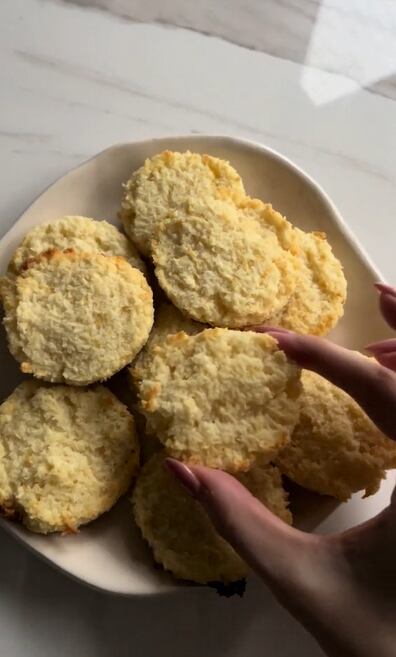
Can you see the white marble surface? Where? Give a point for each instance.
(354, 38)
(75, 79)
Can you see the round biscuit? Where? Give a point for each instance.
(319, 297)
(166, 182)
(76, 317)
(335, 449)
(168, 320)
(66, 455)
(79, 234)
(222, 398)
(270, 219)
(222, 267)
(180, 533)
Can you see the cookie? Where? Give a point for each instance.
(267, 217)
(180, 533)
(335, 448)
(76, 317)
(319, 297)
(222, 398)
(168, 320)
(224, 265)
(79, 234)
(66, 455)
(166, 182)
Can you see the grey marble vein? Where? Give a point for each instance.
(91, 107)
(255, 24)
(59, 153)
(134, 90)
(128, 88)
(334, 36)
(25, 137)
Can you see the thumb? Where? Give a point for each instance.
(267, 544)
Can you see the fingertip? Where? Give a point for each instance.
(383, 288)
(305, 350)
(184, 475)
(381, 347)
(293, 344)
(268, 329)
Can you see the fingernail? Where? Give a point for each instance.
(184, 476)
(382, 347)
(385, 289)
(269, 329)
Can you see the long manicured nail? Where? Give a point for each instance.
(385, 289)
(184, 476)
(383, 347)
(269, 329)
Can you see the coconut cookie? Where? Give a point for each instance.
(335, 448)
(66, 455)
(166, 182)
(319, 297)
(168, 321)
(179, 532)
(221, 398)
(222, 267)
(76, 317)
(270, 219)
(79, 234)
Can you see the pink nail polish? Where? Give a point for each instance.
(385, 289)
(383, 347)
(270, 329)
(184, 476)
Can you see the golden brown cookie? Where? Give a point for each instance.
(66, 455)
(168, 320)
(335, 448)
(224, 265)
(166, 182)
(79, 234)
(76, 317)
(221, 398)
(319, 297)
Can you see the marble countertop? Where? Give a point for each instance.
(313, 79)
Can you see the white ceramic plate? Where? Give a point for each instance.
(109, 553)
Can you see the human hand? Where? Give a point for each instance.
(341, 587)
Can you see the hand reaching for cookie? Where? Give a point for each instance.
(341, 587)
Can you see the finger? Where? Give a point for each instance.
(384, 352)
(264, 541)
(383, 288)
(387, 360)
(388, 308)
(372, 386)
(383, 347)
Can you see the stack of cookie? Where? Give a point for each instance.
(79, 308)
(224, 258)
(213, 395)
